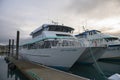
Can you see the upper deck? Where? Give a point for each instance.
(95, 34)
(89, 32)
(51, 27)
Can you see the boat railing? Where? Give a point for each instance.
(52, 44)
(94, 43)
(65, 43)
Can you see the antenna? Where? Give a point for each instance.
(56, 23)
(84, 28)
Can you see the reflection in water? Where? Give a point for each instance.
(8, 74)
(88, 71)
(92, 72)
(12, 74)
(109, 69)
(16, 74)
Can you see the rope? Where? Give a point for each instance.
(98, 67)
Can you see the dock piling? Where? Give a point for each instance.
(12, 47)
(17, 44)
(9, 47)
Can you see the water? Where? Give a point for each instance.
(92, 72)
(7, 74)
(88, 71)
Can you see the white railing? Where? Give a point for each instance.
(60, 43)
(65, 43)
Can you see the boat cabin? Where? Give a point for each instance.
(97, 38)
(52, 36)
(46, 27)
(89, 32)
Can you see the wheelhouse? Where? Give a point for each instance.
(57, 28)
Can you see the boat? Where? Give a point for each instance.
(92, 52)
(115, 76)
(98, 39)
(52, 45)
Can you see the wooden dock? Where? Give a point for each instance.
(39, 72)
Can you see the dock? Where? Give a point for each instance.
(35, 71)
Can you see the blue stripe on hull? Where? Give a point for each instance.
(117, 45)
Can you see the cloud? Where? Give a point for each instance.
(111, 31)
(16, 15)
(7, 31)
(25, 16)
(9, 24)
(96, 9)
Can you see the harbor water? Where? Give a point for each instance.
(92, 72)
(8, 74)
(89, 71)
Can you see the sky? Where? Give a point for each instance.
(27, 15)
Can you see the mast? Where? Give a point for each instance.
(84, 28)
(56, 23)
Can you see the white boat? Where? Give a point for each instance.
(52, 45)
(92, 52)
(115, 76)
(98, 39)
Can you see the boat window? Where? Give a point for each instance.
(98, 32)
(46, 29)
(90, 33)
(60, 29)
(51, 44)
(36, 34)
(63, 35)
(111, 39)
(47, 44)
(106, 40)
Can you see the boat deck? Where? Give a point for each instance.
(39, 72)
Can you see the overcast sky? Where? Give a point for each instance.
(27, 15)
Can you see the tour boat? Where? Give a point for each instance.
(52, 45)
(98, 39)
(93, 52)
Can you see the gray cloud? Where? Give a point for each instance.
(25, 15)
(7, 31)
(9, 24)
(13, 16)
(22, 15)
(108, 31)
(97, 9)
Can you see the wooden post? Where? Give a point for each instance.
(17, 45)
(12, 47)
(9, 47)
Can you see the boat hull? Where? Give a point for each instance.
(90, 53)
(55, 57)
(112, 52)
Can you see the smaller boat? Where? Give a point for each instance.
(98, 39)
(93, 52)
(115, 76)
